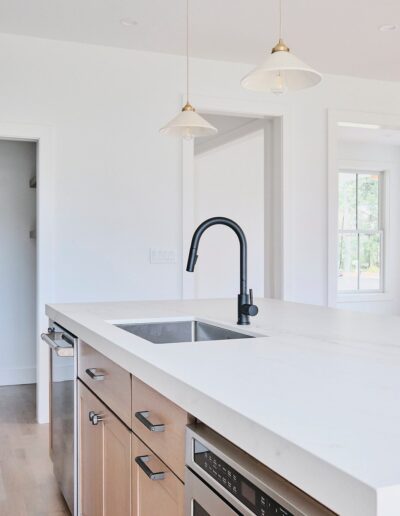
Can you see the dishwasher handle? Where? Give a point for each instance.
(61, 351)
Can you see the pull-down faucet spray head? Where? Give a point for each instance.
(192, 259)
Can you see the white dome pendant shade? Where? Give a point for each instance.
(188, 124)
(281, 71)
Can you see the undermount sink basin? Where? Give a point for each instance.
(181, 331)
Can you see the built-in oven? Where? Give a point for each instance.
(63, 431)
(222, 480)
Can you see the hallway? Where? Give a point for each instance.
(27, 484)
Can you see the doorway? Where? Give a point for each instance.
(230, 171)
(18, 263)
(42, 137)
(242, 124)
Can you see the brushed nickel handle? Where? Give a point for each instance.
(61, 351)
(98, 377)
(141, 462)
(143, 416)
(95, 418)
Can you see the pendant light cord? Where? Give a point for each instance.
(187, 51)
(280, 18)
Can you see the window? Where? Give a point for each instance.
(361, 232)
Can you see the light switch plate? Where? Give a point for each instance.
(162, 255)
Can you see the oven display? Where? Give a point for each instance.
(248, 494)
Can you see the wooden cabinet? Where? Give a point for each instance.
(116, 465)
(160, 424)
(104, 458)
(155, 489)
(106, 379)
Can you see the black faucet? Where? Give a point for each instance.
(245, 299)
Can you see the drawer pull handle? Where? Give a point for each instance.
(143, 418)
(95, 418)
(98, 377)
(141, 462)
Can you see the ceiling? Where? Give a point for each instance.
(340, 36)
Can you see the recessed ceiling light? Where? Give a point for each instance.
(128, 22)
(388, 28)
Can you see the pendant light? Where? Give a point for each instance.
(188, 124)
(281, 71)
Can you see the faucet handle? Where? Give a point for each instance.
(249, 308)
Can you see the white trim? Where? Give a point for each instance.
(281, 250)
(43, 136)
(17, 375)
(367, 297)
(334, 117)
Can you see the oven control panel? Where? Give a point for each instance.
(247, 493)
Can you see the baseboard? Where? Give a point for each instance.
(17, 375)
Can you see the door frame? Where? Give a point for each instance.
(43, 137)
(280, 252)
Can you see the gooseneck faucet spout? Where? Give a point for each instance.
(246, 307)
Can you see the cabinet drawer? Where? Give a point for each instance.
(160, 424)
(155, 489)
(110, 382)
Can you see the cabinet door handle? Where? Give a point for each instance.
(95, 418)
(141, 462)
(94, 375)
(143, 418)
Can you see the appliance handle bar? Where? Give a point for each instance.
(61, 351)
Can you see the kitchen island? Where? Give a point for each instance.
(314, 397)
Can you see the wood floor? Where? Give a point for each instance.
(27, 484)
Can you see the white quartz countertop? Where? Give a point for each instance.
(316, 399)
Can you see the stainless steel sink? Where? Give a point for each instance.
(181, 331)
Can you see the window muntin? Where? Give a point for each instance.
(360, 238)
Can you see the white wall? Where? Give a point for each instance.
(390, 154)
(17, 263)
(118, 182)
(229, 182)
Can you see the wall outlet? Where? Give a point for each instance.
(162, 256)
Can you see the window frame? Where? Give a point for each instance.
(368, 167)
(334, 118)
(359, 171)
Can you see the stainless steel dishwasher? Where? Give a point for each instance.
(222, 480)
(63, 429)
